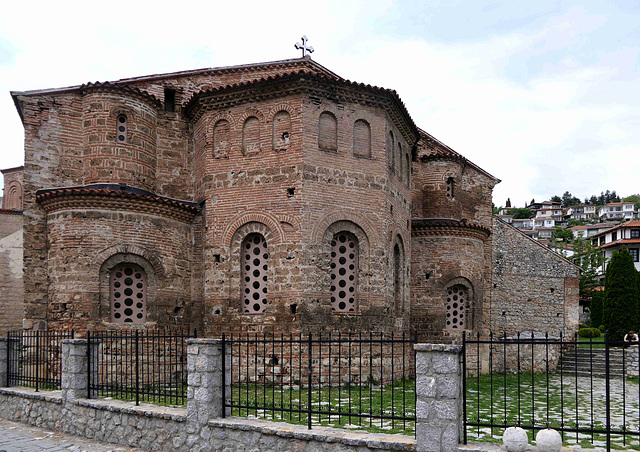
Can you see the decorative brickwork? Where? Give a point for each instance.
(207, 160)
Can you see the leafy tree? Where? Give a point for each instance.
(620, 295)
(571, 222)
(533, 201)
(521, 213)
(633, 198)
(556, 198)
(496, 210)
(569, 200)
(508, 203)
(591, 260)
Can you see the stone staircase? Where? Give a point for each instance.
(587, 362)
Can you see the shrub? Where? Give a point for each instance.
(602, 328)
(589, 332)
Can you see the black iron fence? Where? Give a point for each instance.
(346, 380)
(149, 366)
(587, 390)
(34, 358)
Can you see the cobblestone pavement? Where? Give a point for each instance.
(19, 437)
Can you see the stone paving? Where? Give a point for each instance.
(18, 437)
(625, 408)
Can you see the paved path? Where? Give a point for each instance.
(19, 437)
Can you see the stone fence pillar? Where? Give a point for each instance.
(4, 357)
(204, 367)
(439, 398)
(75, 379)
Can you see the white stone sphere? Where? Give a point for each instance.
(549, 440)
(515, 439)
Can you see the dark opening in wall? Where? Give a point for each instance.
(291, 192)
(169, 100)
(216, 258)
(293, 307)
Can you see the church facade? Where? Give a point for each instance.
(264, 198)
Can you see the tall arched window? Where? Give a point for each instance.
(407, 168)
(390, 151)
(251, 136)
(121, 129)
(328, 132)
(400, 162)
(128, 289)
(457, 303)
(221, 138)
(281, 131)
(398, 280)
(254, 274)
(362, 138)
(344, 273)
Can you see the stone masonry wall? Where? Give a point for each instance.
(534, 289)
(11, 285)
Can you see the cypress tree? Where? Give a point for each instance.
(620, 295)
(596, 309)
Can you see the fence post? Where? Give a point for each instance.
(205, 381)
(75, 379)
(4, 363)
(439, 423)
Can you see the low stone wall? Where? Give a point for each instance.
(151, 427)
(202, 427)
(632, 361)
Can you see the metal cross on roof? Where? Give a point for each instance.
(304, 47)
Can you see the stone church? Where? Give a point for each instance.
(266, 197)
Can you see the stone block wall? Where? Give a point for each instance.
(11, 284)
(533, 288)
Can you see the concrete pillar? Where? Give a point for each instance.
(439, 398)
(75, 378)
(4, 357)
(204, 367)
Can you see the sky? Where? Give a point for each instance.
(541, 94)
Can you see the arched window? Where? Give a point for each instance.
(361, 138)
(400, 162)
(221, 139)
(407, 167)
(281, 131)
(450, 187)
(254, 274)
(398, 280)
(390, 151)
(251, 136)
(328, 132)
(128, 290)
(344, 273)
(457, 303)
(121, 129)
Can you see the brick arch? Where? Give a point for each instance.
(125, 249)
(281, 107)
(247, 114)
(118, 110)
(276, 233)
(325, 221)
(291, 220)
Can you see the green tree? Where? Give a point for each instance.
(633, 198)
(508, 203)
(590, 259)
(556, 198)
(563, 238)
(620, 295)
(521, 213)
(571, 222)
